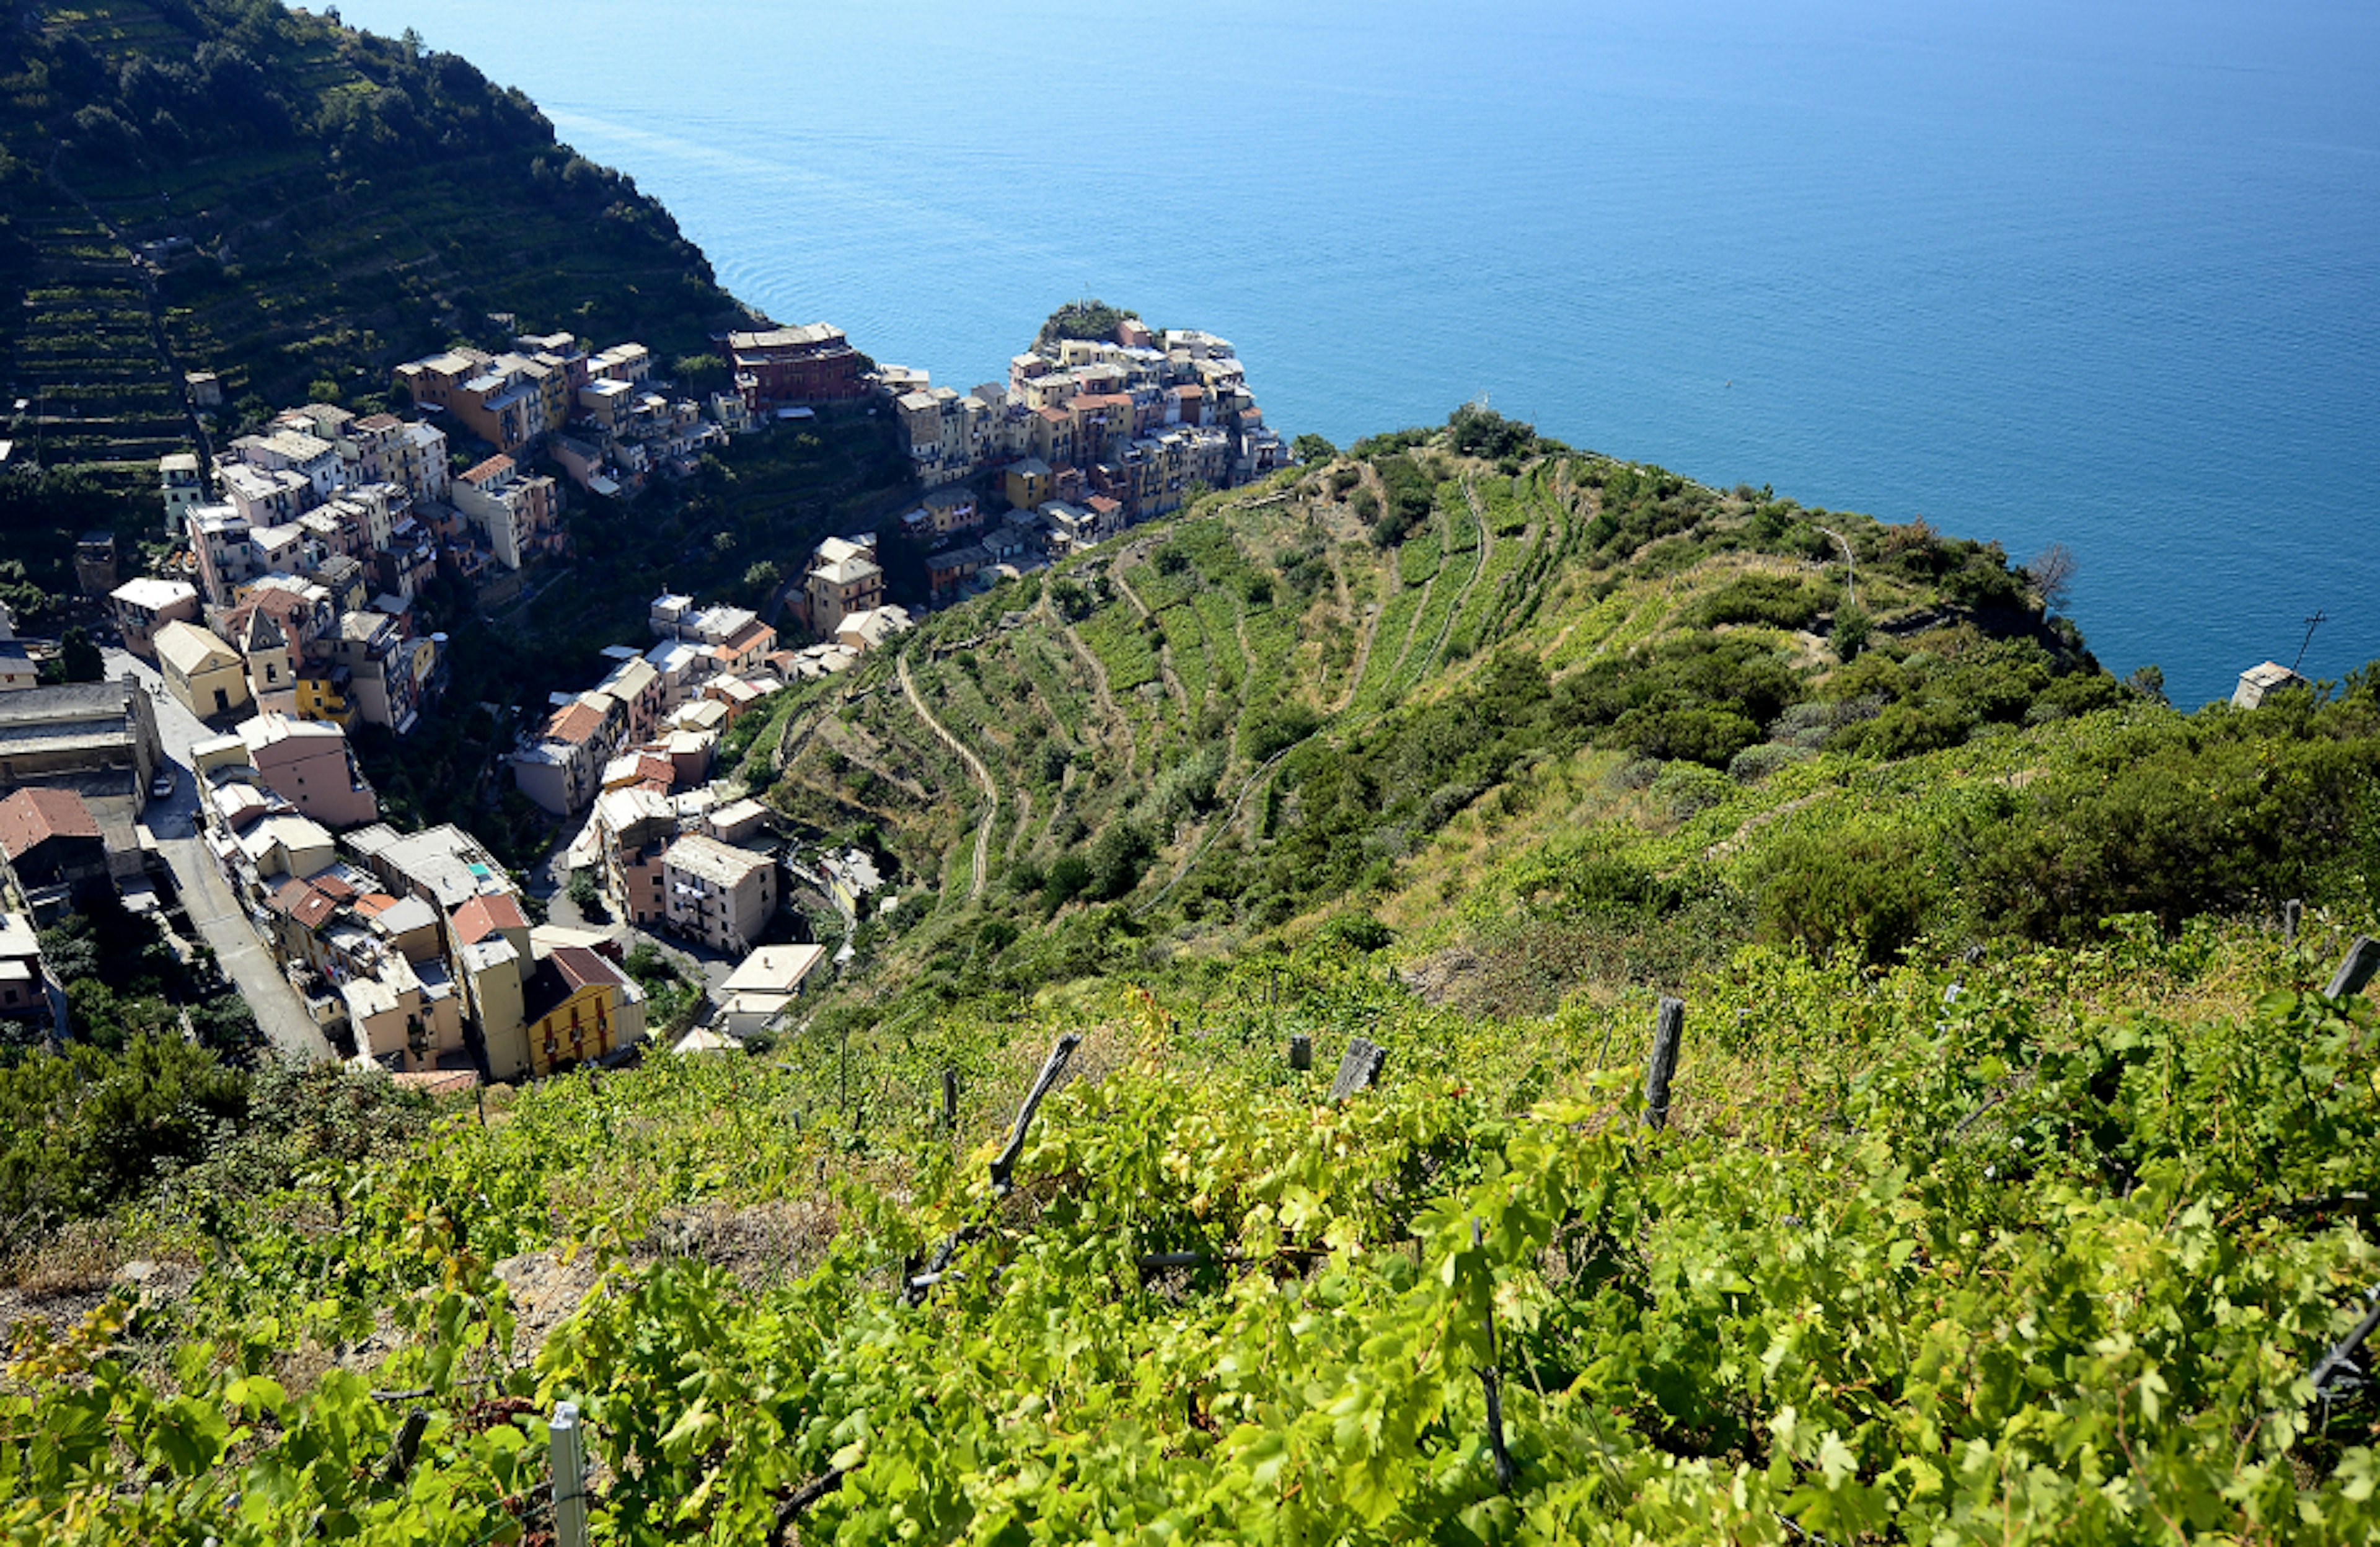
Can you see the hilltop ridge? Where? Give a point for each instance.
(233, 188)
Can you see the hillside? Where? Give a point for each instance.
(1244, 1114)
(234, 186)
(2013, 1181)
(2042, 1249)
(1318, 690)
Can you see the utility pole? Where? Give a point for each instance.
(2319, 618)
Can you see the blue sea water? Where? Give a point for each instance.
(2105, 274)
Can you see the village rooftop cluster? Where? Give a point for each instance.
(291, 616)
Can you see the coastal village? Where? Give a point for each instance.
(290, 614)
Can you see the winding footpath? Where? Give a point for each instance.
(1100, 694)
(1484, 548)
(975, 766)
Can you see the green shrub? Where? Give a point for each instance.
(1867, 891)
(1774, 601)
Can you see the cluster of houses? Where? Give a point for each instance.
(78, 764)
(1085, 437)
(405, 946)
(598, 416)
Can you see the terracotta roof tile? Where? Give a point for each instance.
(482, 917)
(315, 911)
(35, 816)
(576, 724)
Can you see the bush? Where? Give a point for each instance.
(1851, 632)
(1774, 601)
(2175, 817)
(1281, 727)
(585, 895)
(1868, 892)
(1687, 789)
(1756, 763)
(1358, 931)
(1709, 736)
(1115, 861)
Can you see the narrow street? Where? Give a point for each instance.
(215, 913)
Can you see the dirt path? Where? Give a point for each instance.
(975, 766)
(1487, 546)
(1100, 692)
(1216, 829)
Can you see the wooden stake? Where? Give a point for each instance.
(1005, 1162)
(1668, 1027)
(2362, 961)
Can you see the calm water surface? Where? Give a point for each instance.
(2105, 274)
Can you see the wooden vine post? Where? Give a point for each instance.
(1668, 1029)
(1004, 1164)
(2355, 972)
(1358, 1068)
(1491, 1385)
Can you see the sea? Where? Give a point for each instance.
(2099, 273)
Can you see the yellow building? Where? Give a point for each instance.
(321, 695)
(578, 1007)
(205, 674)
(1029, 485)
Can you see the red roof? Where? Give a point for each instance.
(581, 968)
(490, 470)
(35, 816)
(575, 725)
(315, 911)
(482, 917)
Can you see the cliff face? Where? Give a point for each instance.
(227, 185)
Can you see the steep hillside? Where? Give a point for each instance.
(2045, 1249)
(1238, 720)
(234, 186)
(2011, 1180)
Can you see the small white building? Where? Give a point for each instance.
(763, 985)
(2259, 683)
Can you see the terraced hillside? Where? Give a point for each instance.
(230, 186)
(1318, 694)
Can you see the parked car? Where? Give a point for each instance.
(162, 786)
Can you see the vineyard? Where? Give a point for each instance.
(2046, 1246)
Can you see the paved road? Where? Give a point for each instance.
(215, 913)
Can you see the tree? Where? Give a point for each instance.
(2050, 573)
(1851, 629)
(80, 658)
(762, 580)
(584, 895)
(702, 373)
(1310, 447)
